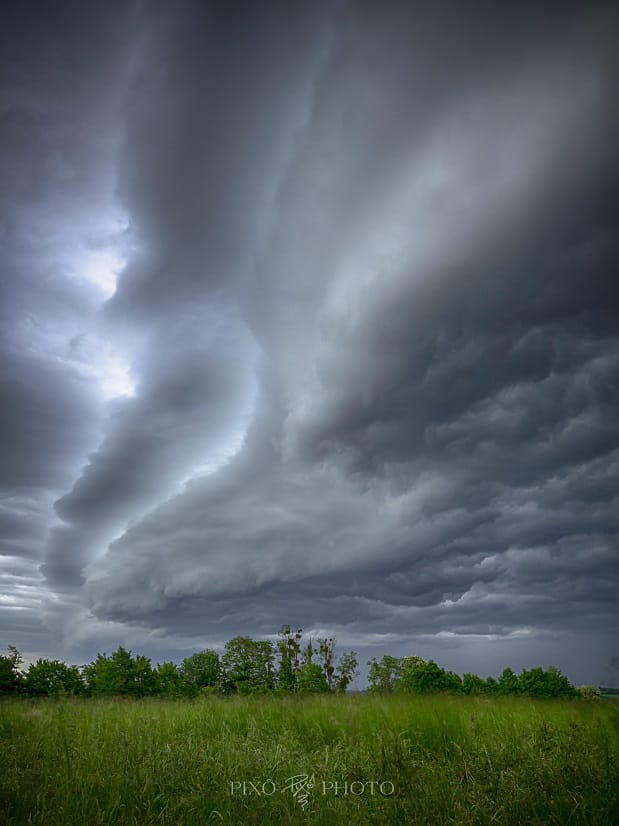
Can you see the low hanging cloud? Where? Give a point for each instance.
(360, 330)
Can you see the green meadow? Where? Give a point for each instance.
(336, 759)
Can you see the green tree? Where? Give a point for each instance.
(473, 684)
(491, 686)
(532, 682)
(551, 683)
(10, 676)
(426, 677)
(347, 670)
(120, 674)
(52, 677)
(411, 662)
(508, 682)
(307, 652)
(311, 679)
(384, 674)
(248, 666)
(411, 675)
(203, 670)
(144, 678)
(170, 682)
(289, 648)
(452, 682)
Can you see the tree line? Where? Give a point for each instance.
(415, 675)
(247, 666)
(291, 665)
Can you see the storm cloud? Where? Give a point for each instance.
(310, 314)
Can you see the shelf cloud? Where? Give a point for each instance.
(310, 314)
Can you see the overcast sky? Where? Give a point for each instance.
(309, 314)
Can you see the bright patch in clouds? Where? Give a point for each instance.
(101, 268)
(114, 377)
(98, 359)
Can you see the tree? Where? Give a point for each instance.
(53, 677)
(412, 673)
(491, 686)
(452, 682)
(110, 675)
(550, 683)
(423, 677)
(307, 653)
(10, 676)
(120, 674)
(532, 682)
(508, 682)
(170, 682)
(311, 679)
(347, 670)
(326, 652)
(473, 684)
(203, 670)
(144, 678)
(248, 666)
(289, 647)
(411, 662)
(384, 674)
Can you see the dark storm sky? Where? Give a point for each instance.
(310, 314)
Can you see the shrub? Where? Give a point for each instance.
(589, 692)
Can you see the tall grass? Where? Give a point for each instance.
(453, 760)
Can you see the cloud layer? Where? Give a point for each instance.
(311, 316)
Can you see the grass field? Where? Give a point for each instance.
(400, 760)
